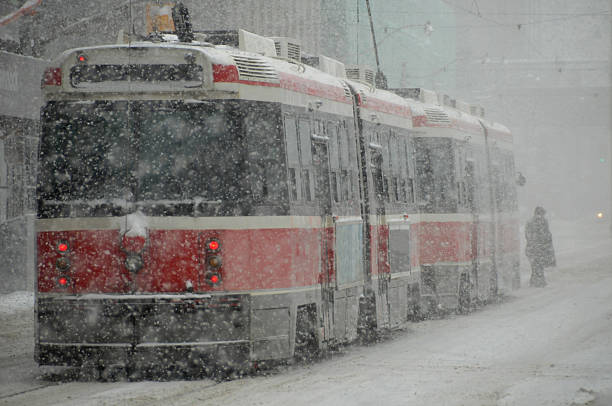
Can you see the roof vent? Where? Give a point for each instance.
(247, 41)
(446, 100)
(254, 68)
(408, 92)
(463, 106)
(436, 115)
(244, 40)
(429, 96)
(417, 93)
(287, 48)
(221, 37)
(310, 60)
(360, 73)
(332, 66)
(476, 110)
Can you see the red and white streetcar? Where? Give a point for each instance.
(209, 202)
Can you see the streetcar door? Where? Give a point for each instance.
(379, 240)
(320, 160)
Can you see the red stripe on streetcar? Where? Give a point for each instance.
(229, 74)
(419, 121)
(313, 88)
(225, 73)
(252, 259)
(385, 107)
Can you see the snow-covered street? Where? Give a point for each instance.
(546, 346)
(306, 202)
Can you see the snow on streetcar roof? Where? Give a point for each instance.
(295, 76)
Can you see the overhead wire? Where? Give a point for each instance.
(519, 24)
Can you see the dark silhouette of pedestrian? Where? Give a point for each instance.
(539, 249)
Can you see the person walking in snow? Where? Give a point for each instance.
(539, 249)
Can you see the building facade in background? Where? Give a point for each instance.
(19, 110)
(416, 40)
(543, 68)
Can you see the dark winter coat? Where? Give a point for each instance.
(539, 242)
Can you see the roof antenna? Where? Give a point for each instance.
(381, 80)
(182, 22)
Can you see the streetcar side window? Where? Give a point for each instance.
(386, 192)
(352, 167)
(346, 185)
(334, 186)
(306, 185)
(343, 145)
(334, 157)
(410, 190)
(293, 189)
(396, 190)
(293, 158)
(383, 141)
(377, 174)
(436, 175)
(305, 148)
(348, 163)
(304, 135)
(393, 164)
(352, 145)
(410, 163)
(264, 153)
(403, 190)
(343, 163)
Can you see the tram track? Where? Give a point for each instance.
(29, 390)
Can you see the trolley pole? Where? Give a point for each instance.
(380, 80)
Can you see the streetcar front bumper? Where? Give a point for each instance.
(143, 329)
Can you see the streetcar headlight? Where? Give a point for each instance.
(214, 262)
(62, 263)
(134, 262)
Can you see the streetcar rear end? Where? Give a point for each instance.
(144, 196)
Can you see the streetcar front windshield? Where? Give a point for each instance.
(117, 153)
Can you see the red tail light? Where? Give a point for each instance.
(63, 261)
(52, 77)
(213, 245)
(213, 278)
(63, 281)
(213, 261)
